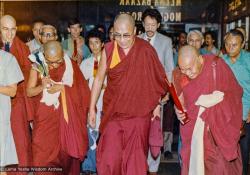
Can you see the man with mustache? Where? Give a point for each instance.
(163, 45)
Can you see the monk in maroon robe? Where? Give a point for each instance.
(200, 77)
(59, 136)
(136, 82)
(20, 111)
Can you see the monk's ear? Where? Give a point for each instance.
(68, 29)
(56, 37)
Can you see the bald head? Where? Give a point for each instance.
(8, 19)
(53, 51)
(8, 28)
(124, 18)
(187, 53)
(190, 61)
(124, 31)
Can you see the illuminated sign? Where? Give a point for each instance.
(169, 9)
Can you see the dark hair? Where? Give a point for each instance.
(182, 32)
(110, 27)
(236, 32)
(211, 33)
(73, 22)
(38, 21)
(102, 27)
(94, 33)
(153, 13)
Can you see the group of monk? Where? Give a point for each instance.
(62, 107)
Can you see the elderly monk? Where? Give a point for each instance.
(20, 113)
(210, 140)
(60, 132)
(136, 82)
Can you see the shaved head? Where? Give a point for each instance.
(53, 51)
(124, 18)
(8, 19)
(190, 61)
(124, 31)
(187, 53)
(8, 28)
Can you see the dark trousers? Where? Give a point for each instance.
(245, 147)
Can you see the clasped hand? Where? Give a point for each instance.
(51, 86)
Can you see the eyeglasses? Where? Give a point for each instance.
(54, 63)
(47, 35)
(125, 36)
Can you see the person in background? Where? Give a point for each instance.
(181, 41)
(111, 32)
(163, 45)
(209, 47)
(89, 68)
(75, 44)
(35, 43)
(238, 60)
(195, 39)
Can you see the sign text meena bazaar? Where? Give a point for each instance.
(169, 9)
(151, 2)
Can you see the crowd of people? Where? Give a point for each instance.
(106, 106)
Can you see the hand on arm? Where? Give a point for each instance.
(96, 89)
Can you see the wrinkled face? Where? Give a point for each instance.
(75, 30)
(47, 34)
(183, 39)
(95, 45)
(151, 26)
(190, 66)
(8, 30)
(233, 45)
(195, 40)
(36, 30)
(124, 34)
(209, 40)
(54, 58)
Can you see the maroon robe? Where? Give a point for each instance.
(133, 90)
(20, 110)
(56, 143)
(221, 148)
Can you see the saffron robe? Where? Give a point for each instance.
(222, 121)
(134, 87)
(56, 143)
(21, 109)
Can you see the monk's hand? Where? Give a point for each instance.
(180, 115)
(156, 112)
(46, 82)
(55, 88)
(165, 98)
(92, 118)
